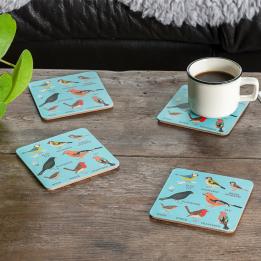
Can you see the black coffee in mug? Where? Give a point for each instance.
(214, 76)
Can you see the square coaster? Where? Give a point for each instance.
(177, 112)
(202, 199)
(70, 95)
(67, 158)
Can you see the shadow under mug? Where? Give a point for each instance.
(217, 99)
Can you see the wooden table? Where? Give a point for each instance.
(107, 218)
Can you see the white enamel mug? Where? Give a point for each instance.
(217, 99)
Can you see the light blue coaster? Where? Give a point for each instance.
(202, 199)
(177, 112)
(67, 158)
(70, 95)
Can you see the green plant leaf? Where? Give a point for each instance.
(7, 32)
(22, 75)
(5, 86)
(2, 109)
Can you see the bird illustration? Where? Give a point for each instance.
(82, 92)
(197, 213)
(84, 77)
(45, 86)
(235, 186)
(50, 163)
(99, 100)
(79, 154)
(36, 148)
(178, 196)
(103, 160)
(174, 113)
(182, 106)
(223, 219)
(58, 143)
(76, 137)
(197, 119)
(212, 183)
(168, 207)
(220, 125)
(55, 175)
(79, 167)
(189, 177)
(77, 104)
(65, 82)
(53, 108)
(50, 99)
(215, 202)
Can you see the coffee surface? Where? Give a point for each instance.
(214, 76)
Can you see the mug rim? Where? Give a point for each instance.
(214, 83)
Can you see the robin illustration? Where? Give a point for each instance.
(36, 148)
(223, 219)
(178, 196)
(220, 125)
(103, 161)
(197, 213)
(212, 183)
(182, 106)
(76, 137)
(58, 143)
(64, 82)
(53, 108)
(50, 163)
(82, 92)
(75, 105)
(197, 119)
(189, 177)
(79, 167)
(168, 207)
(50, 99)
(235, 186)
(99, 100)
(55, 175)
(79, 154)
(216, 202)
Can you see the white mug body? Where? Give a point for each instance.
(213, 101)
(217, 99)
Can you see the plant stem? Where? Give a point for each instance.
(7, 63)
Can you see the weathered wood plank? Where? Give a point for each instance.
(107, 218)
(131, 128)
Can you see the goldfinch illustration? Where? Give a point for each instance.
(58, 143)
(212, 183)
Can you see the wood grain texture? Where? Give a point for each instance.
(107, 218)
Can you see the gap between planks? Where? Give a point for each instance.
(162, 157)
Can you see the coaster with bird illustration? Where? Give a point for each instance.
(202, 199)
(67, 158)
(177, 112)
(70, 95)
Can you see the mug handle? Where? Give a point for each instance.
(250, 81)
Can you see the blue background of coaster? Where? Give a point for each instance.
(41, 90)
(179, 106)
(35, 160)
(196, 201)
